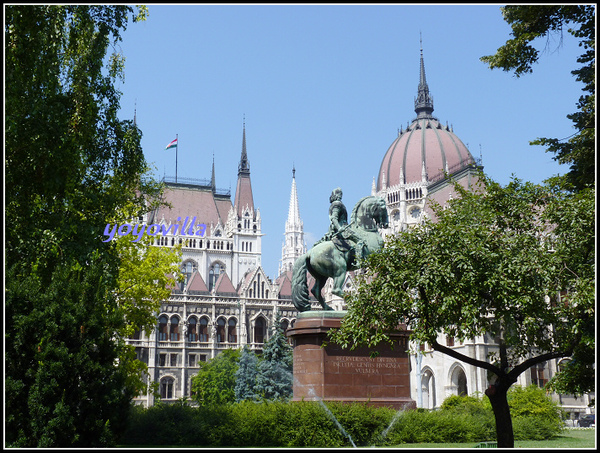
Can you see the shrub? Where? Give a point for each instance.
(535, 427)
(473, 404)
(451, 425)
(313, 424)
(532, 400)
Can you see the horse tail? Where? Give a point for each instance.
(300, 296)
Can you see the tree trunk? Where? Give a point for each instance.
(504, 430)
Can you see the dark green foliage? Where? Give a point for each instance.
(441, 426)
(274, 379)
(70, 165)
(466, 404)
(535, 24)
(307, 424)
(215, 382)
(239, 375)
(535, 427)
(64, 383)
(245, 376)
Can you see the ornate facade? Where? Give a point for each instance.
(226, 300)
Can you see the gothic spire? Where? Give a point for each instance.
(212, 179)
(294, 211)
(423, 101)
(244, 166)
(294, 245)
(244, 201)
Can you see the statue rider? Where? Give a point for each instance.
(338, 216)
(339, 230)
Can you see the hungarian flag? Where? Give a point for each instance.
(173, 144)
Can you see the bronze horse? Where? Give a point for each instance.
(331, 259)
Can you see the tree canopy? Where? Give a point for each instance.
(216, 379)
(514, 263)
(71, 167)
(518, 54)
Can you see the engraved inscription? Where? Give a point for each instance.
(365, 364)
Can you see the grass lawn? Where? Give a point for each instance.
(570, 438)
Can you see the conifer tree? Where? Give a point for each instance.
(245, 376)
(274, 380)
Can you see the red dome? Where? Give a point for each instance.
(426, 149)
(425, 140)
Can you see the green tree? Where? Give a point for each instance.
(71, 163)
(275, 380)
(489, 264)
(215, 382)
(574, 219)
(245, 376)
(146, 274)
(529, 22)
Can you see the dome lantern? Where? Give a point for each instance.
(424, 100)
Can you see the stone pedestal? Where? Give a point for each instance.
(331, 373)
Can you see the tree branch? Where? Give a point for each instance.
(463, 358)
(522, 367)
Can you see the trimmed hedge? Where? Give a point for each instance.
(313, 424)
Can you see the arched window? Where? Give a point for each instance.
(193, 329)
(231, 331)
(213, 274)
(220, 330)
(203, 330)
(166, 387)
(459, 381)
(188, 268)
(162, 328)
(284, 324)
(259, 330)
(174, 328)
(428, 389)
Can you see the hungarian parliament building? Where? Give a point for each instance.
(227, 300)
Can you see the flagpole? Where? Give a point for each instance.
(176, 149)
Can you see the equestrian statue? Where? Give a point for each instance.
(341, 249)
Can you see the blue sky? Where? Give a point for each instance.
(325, 88)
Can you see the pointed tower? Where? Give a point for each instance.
(244, 202)
(244, 222)
(294, 244)
(212, 178)
(424, 100)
